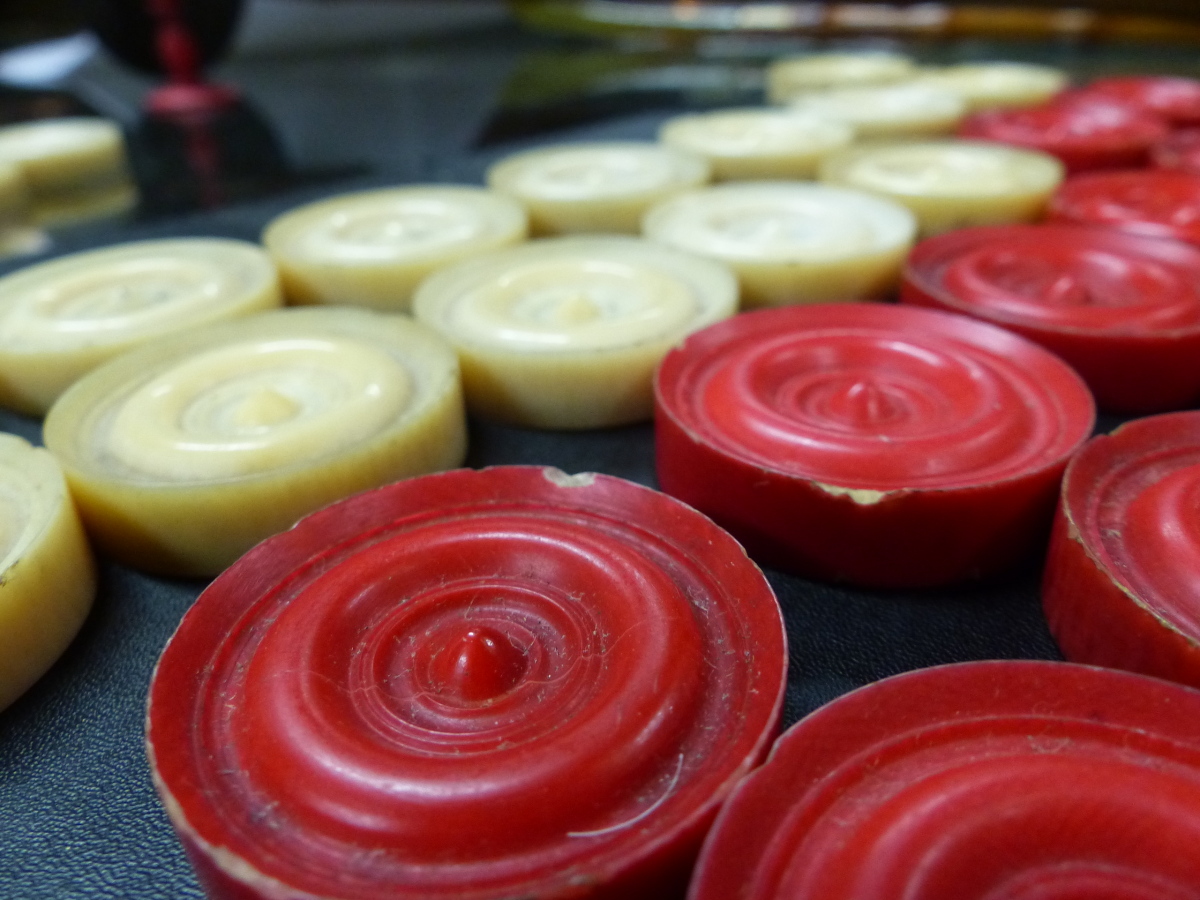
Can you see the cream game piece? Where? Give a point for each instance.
(744, 144)
(791, 242)
(791, 77)
(47, 578)
(990, 84)
(62, 318)
(566, 332)
(186, 452)
(595, 188)
(895, 110)
(373, 248)
(952, 184)
(75, 168)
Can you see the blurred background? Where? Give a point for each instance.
(335, 88)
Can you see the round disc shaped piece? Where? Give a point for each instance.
(742, 144)
(878, 445)
(1155, 203)
(1123, 310)
(1122, 576)
(589, 188)
(566, 332)
(65, 155)
(1179, 151)
(1176, 99)
(60, 319)
(907, 109)
(789, 242)
(952, 184)
(47, 578)
(988, 85)
(186, 452)
(1085, 133)
(504, 683)
(373, 248)
(1014, 779)
(794, 76)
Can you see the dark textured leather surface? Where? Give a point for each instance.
(78, 815)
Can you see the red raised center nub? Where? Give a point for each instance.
(482, 664)
(866, 405)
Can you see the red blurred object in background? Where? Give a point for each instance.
(1179, 151)
(1175, 99)
(1155, 203)
(186, 92)
(1086, 132)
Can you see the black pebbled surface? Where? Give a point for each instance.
(78, 815)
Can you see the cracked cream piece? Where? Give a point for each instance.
(186, 452)
(75, 168)
(373, 248)
(792, 77)
(742, 144)
(47, 578)
(896, 110)
(566, 333)
(589, 188)
(952, 184)
(790, 242)
(988, 85)
(62, 318)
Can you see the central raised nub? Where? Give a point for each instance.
(481, 665)
(263, 408)
(867, 405)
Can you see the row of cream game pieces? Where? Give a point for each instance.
(56, 172)
(785, 242)
(979, 85)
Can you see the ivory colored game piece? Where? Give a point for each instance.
(892, 110)
(566, 332)
(75, 168)
(60, 319)
(986, 85)
(186, 452)
(595, 188)
(952, 184)
(790, 242)
(373, 248)
(742, 144)
(47, 578)
(790, 77)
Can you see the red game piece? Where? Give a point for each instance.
(1175, 99)
(1085, 133)
(495, 684)
(874, 444)
(1123, 310)
(1154, 203)
(1180, 151)
(1122, 582)
(1000, 779)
